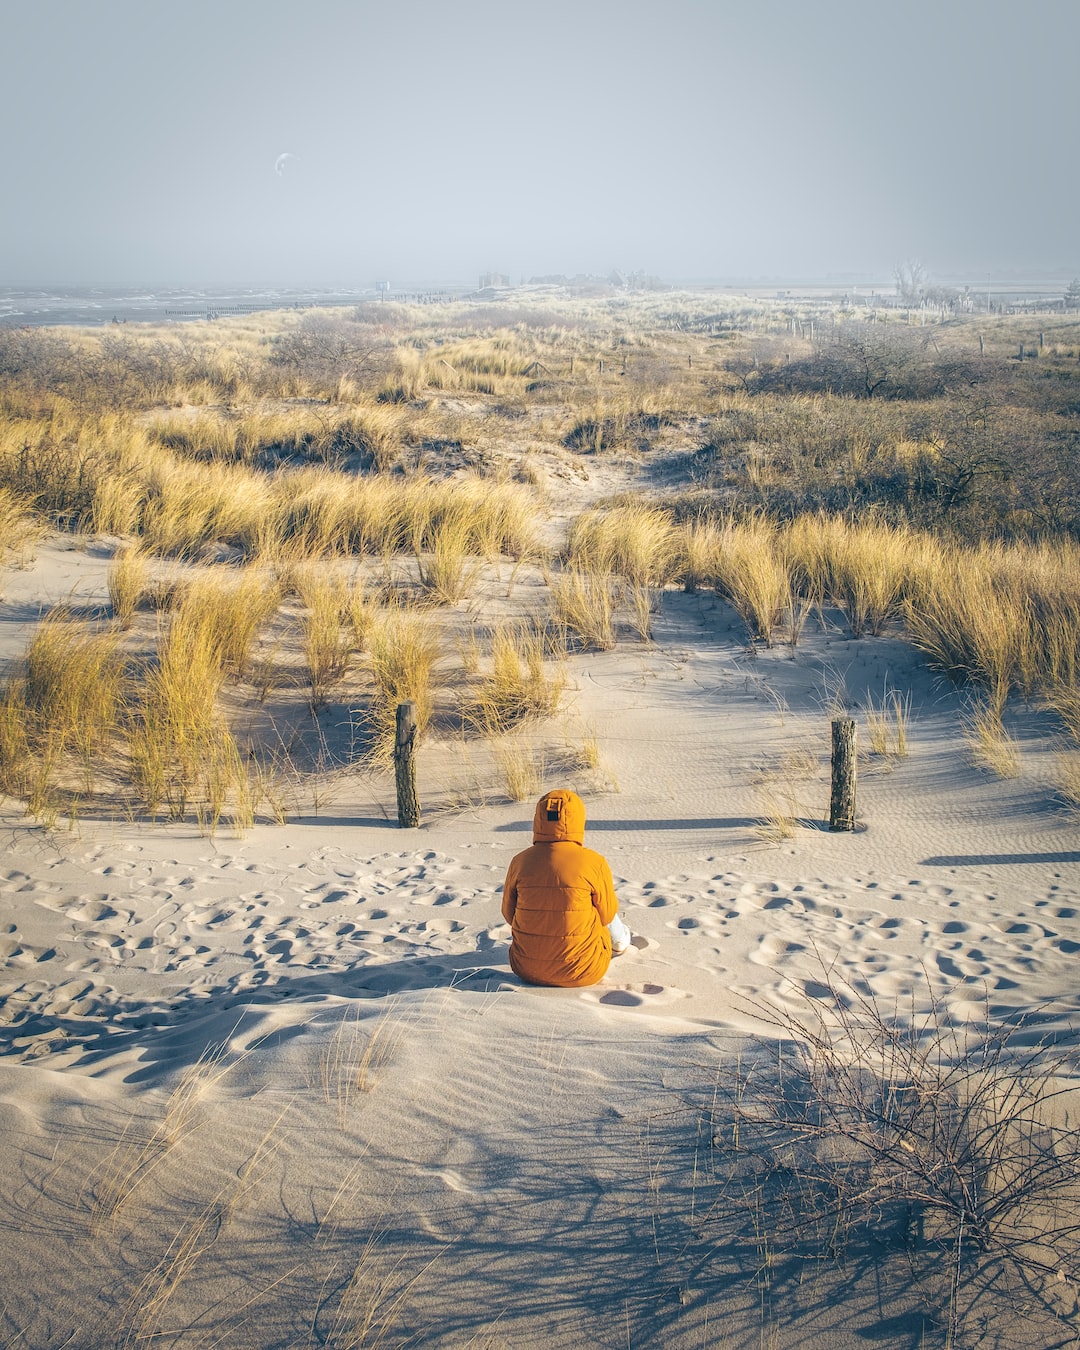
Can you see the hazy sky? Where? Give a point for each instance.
(434, 139)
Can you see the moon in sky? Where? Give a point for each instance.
(279, 163)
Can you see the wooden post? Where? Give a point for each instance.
(980, 344)
(408, 807)
(842, 806)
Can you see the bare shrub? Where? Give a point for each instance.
(949, 1147)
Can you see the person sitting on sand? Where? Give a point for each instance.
(559, 900)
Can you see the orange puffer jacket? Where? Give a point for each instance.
(558, 898)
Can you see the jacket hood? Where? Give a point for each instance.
(560, 815)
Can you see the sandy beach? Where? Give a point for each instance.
(284, 1090)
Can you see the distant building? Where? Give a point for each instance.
(493, 281)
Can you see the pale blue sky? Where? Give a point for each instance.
(433, 140)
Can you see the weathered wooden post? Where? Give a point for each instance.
(842, 806)
(408, 806)
(981, 344)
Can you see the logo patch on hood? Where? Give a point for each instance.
(560, 815)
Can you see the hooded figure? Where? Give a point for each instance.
(559, 898)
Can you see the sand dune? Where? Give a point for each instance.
(284, 1089)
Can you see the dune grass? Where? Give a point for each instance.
(110, 474)
(637, 541)
(334, 626)
(228, 611)
(520, 684)
(60, 713)
(991, 745)
(583, 606)
(20, 529)
(404, 650)
(523, 767)
(449, 571)
(393, 432)
(1004, 617)
(128, 584)
(184, 757)
(753, 574)
(887, 722)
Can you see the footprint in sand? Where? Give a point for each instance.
(93, 909)
(636, 995)
(492, 937)
(333, 896)
(954, 971)
(773, 946)
(815, 989)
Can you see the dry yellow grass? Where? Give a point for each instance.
(212, 446)
(60, 712)
(128, 584)
(328, 639)
(448, 572)
(699, 544)
(228, 611)
(991, 745)
(752, 572)
(583, 606)
(520, 683)
(1068, 779)
(523, 767)
(20, 529)
(184, 757)
(636, 541)
(887, 724)
(404, 649)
